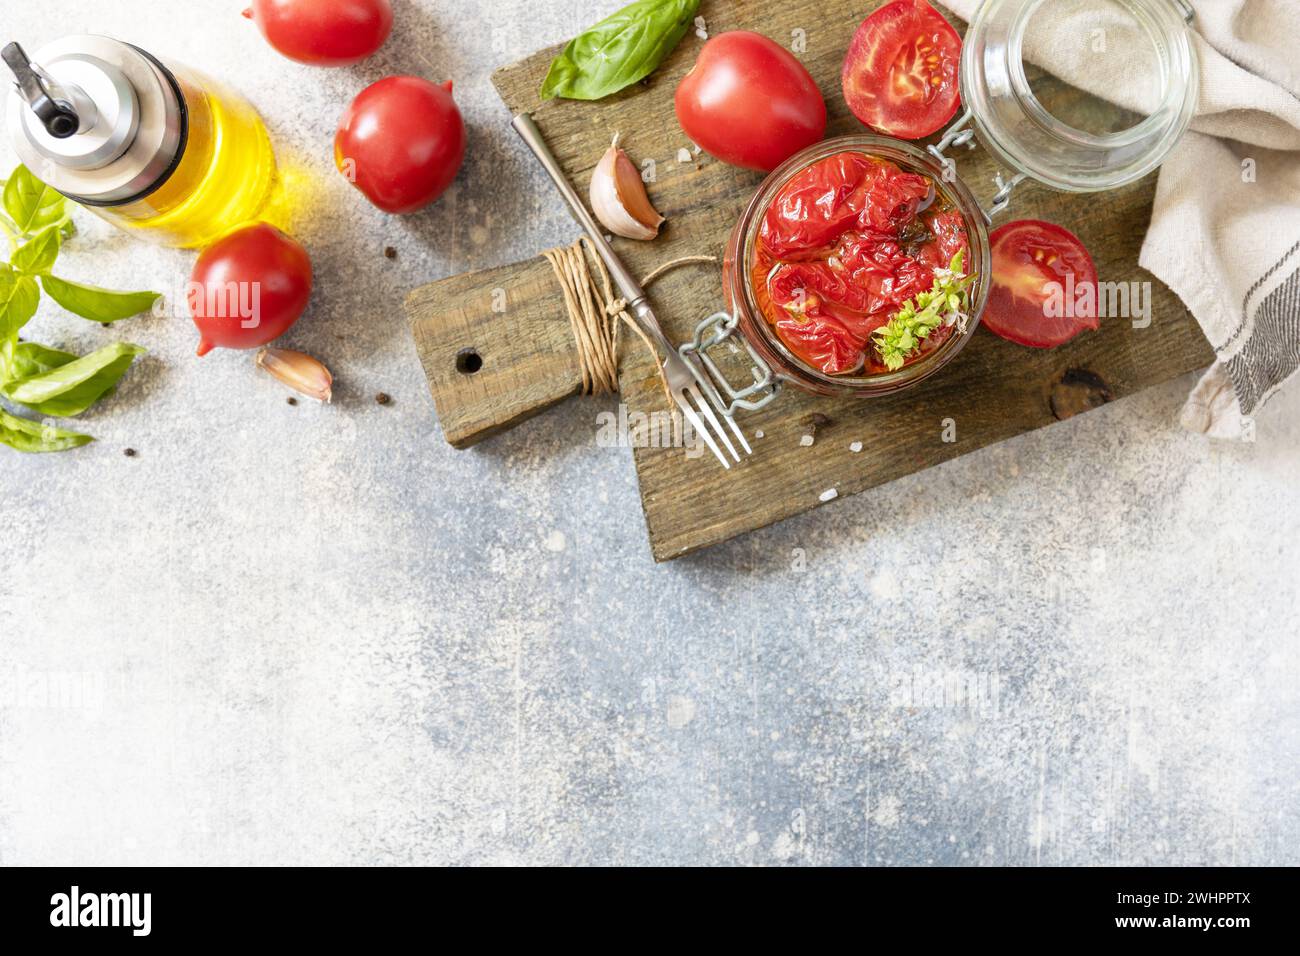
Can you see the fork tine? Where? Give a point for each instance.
(740, 435)
(700, 428)
(707, 408)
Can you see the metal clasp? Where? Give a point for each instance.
(1002, 198)
(713, 331)
(962, 133)
(959, 133)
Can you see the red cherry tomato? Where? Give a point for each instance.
(323, 32)
(1044, 285)
(248, 288)
(900, 75)
(401, 142)
(749, 102)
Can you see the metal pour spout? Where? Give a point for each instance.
(52, 106)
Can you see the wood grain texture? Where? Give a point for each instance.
(496, 348)
(993, 391)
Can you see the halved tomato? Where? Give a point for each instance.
(1044, 285)
(900, 75)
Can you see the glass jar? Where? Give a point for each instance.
(738, 290)
(1136, 70)
(1136, 56)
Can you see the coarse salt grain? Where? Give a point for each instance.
(806, 441)
(829, 494)
(759, 433)
(856, 447)
(683, 155)
(701, 28)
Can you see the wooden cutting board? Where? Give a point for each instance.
(497, 347)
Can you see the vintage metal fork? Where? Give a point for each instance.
(683, 379)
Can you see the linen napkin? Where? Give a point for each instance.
(1225, 228)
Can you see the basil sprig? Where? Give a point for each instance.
(19, 297)
(620, 50)
(945, 304)
(72, 387)
(50, 382)
(31, 205)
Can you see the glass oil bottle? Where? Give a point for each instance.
(156, 149)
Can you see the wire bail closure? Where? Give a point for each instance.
(710, 333)
(962, 133)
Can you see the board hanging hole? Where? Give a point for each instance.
(468, 361)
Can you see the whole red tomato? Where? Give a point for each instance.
(248, 288)
(401, 142)
(323, 32)
(749, 102)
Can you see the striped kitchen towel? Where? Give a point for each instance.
(1225, 229)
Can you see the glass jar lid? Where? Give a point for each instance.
(1083, 95)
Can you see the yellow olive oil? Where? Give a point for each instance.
(224, 178)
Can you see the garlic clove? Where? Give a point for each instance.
(619, 198)
(302, 373)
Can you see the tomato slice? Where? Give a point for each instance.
(900, 75)
(1044, 285)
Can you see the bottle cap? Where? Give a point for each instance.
(97, 119)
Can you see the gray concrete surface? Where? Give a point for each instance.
(320, 635)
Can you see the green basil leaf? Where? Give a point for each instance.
(620, 50)
(29, 436)
(19, 297)
(38, 254)
(31, 358)
(72, 388)
(96, 304)
(31, 204)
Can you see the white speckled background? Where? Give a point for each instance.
(320, 635)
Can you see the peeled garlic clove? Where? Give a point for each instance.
(619, 199)
(299, 371)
